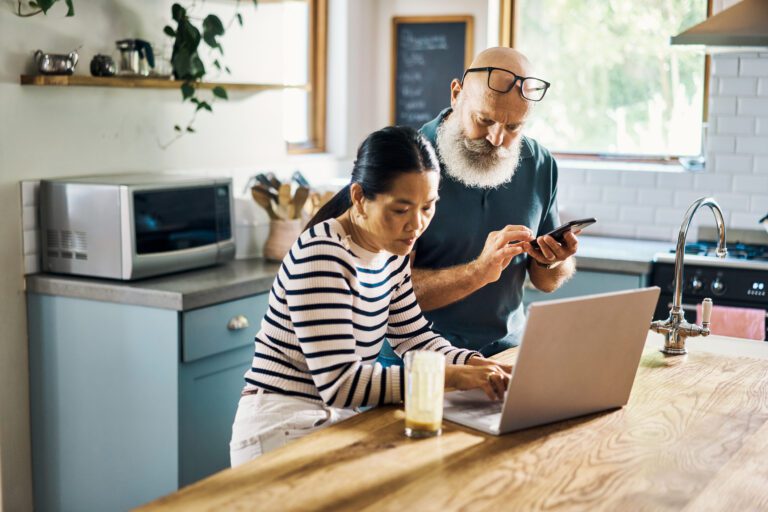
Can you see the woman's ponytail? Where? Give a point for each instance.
(337, 205)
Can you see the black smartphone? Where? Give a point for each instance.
(559, 233)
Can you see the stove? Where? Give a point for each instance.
(739, 280)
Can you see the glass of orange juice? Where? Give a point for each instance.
(424, 381)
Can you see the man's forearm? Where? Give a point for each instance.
(437, 288)
(549, 280)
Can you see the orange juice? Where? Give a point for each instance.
(424, 382)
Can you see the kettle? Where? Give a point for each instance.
(136, 57)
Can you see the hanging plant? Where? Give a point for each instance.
(34, 7)
(187, 64)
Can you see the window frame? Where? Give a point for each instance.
(318, 78)
(507, 28)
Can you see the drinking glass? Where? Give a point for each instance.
(424, 381)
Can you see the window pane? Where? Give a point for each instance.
(618, 86)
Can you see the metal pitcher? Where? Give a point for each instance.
(56, 64)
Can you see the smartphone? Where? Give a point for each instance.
(559, 233)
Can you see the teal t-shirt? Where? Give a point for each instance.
(492, 318)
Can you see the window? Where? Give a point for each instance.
(619, 89)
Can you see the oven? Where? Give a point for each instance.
(740, 280)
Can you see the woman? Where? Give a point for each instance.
(342, 290)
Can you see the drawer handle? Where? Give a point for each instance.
(238, 323)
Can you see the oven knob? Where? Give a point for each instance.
(718, 288)
(696, 285)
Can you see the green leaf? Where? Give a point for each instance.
(212, 28)
(169, 31)
(217, 64)
(33, 4)
(220, 92)
(70, 8)
(187, 90)
(229, 71)
(255, 3)
(195, 100)
(203, 105)
(190, 129)
(178, 12)
(177, 128)
(239, 19)
(45, 4)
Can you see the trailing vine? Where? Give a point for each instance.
(40, 6)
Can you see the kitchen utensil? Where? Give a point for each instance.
(56, 64)
(299, 198)
(285, 207)
(103, 65)
(136, 57)
(273, 180)
(764, 222)
(263, 199)
(300, 179)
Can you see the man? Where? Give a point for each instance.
(497, 194)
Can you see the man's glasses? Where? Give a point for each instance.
(503, 81)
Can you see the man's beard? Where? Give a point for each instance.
(475, 163)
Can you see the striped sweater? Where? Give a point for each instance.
(331, 307)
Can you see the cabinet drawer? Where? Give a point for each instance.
(213, 330)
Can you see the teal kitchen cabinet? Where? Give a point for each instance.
(586, 282)
(129, 403)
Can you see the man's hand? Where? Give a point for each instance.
(551, 252)
(500, 247)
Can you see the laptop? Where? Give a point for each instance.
(577, 356)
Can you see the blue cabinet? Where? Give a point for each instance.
(585, 282)
(129, 403)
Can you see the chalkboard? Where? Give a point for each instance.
(427, 53)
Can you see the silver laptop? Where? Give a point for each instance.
(577, 356)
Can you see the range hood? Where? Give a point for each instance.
(744, 24)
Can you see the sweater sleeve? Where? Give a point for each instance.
(409, 330)
(320, 288)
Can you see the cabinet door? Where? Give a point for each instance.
(210, 381)
(587, 283)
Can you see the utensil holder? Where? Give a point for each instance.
(282, 235)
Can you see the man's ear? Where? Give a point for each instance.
(357, 197)
(455, 90)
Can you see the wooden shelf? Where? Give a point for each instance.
(143, 83)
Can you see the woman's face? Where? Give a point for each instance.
(393, 221)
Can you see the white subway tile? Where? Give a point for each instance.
(31, 245)
(730, 201)
(744, 220)
(752, 145)
(32, 264)
(669, 216)
(603, 177)
(637, 214)
(29, 192)
(638, 179)
(720, 143)
(684, 198)
(738, 86)
(571, 176)
(29, 217)
(727, 125)
(724, 66)
(753, 67)
(655, 197)
(760, 204)
(720, 105)
(755, 184)
(620, 195)
(656, 233)
(615, 229)
(761, 126)
(752, 106)
(761, 165)
(733, 164)
(709, 181)
(762, 87)
(605, 212)
(585, 193)
(676, 181)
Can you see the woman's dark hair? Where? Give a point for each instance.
(381, 158)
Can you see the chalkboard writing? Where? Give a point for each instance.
(428, 53)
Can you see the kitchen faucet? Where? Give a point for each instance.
(675, 329)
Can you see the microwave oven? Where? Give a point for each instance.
(132, 226)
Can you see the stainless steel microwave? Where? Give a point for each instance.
(135, 225)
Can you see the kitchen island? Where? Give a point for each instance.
(693, 437)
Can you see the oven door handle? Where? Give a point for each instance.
(692, 307)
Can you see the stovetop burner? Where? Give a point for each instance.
(736, 250)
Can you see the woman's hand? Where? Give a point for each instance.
(493, 380)
(481, 361)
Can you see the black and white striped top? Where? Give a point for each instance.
(330, 308)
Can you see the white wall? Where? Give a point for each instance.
(49, 132)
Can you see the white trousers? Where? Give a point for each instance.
(267, 421)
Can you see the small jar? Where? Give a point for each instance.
(103, 65)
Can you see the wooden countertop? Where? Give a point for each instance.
(694, 436)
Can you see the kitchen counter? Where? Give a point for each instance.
(199, 288)
(692, 437)
(182, 291)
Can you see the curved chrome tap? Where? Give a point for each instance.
(675, 328)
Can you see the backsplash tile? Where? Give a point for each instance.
(30, 219)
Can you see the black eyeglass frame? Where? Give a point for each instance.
(519, 78)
